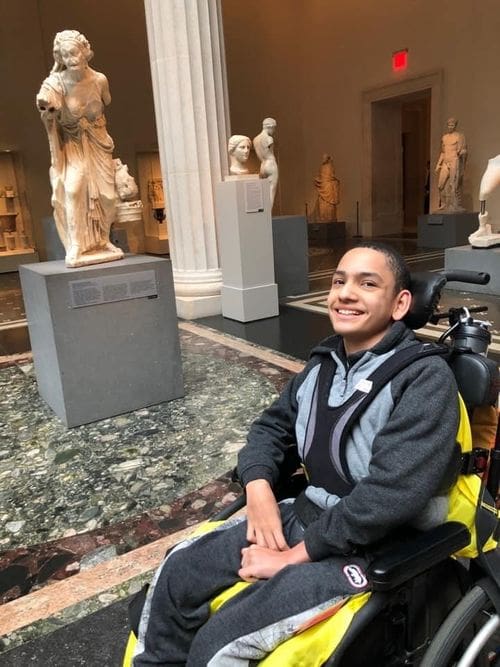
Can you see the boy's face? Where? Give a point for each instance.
(363, 303)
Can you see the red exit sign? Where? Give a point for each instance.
(400, 60)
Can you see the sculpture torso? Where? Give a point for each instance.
(264, 147)
(452, 145)
(263, 144)
(84, 99)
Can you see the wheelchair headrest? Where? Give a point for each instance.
(425, 288)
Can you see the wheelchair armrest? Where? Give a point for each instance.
(410, 558)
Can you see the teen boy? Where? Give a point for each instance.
(398, 461)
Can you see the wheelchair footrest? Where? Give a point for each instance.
(407, 559)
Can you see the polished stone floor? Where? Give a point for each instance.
(78, 501)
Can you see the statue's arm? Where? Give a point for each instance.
(440, 161)
(104, 88)
(49, 99)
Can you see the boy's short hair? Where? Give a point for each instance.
(395, 261)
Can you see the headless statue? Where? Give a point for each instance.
(484, 236)
(264, 147)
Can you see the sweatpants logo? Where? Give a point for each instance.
(355, 576)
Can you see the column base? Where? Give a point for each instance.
(251, 303)
(194, 307)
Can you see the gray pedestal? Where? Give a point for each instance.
(326, 233)
(104, 337)
(466, 258)
(118, 237)
(291, 259)
(249, 291)
(445, 230)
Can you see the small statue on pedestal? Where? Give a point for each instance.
(327, 186)
(450, 168)
(82, 174)
(128, 205)
(484, 236)
(263, 144)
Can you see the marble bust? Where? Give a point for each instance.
(485, 236)
(71, 103)
(450, 168)
(126, 187)
(128, 205)
(327, 187)
(239, 150)
(264, 147)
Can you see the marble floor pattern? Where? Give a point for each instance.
(72, 500)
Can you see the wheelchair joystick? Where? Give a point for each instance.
(469, 334)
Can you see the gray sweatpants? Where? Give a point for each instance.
(176, 627)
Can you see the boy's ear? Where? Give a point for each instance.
(401, 305)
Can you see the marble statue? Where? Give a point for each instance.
(450, 168)
(239, 150)
(126, 187)
(327, 186)
(484, 236)
(82, 173)
(263, 144)
(128, 205)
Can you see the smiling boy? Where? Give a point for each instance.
(393, 467)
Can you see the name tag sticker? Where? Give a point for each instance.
(365, 386)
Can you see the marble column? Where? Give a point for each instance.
(190, 94)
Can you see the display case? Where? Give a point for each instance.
(153, 196)
(16, 234)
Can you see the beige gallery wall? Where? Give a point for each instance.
(305, 62)
(308, 63)
(117, 33)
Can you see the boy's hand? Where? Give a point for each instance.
(263, 516)
(261, 563)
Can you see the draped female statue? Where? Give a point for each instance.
(327, 186)
(82, 173)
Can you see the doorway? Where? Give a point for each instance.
(400, 162)
(402, 126)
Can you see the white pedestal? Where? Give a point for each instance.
(249, 291)
(104, 337)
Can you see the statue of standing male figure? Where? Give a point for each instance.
(264, 147)
(450, 168)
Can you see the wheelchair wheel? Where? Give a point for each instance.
(455, 635)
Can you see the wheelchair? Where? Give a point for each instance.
(428, 607)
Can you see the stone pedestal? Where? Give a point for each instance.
(104, 337)
(118, 237)
(249, 291)
(291, 259)
(445, 230)
(326, 233)
(466, 258)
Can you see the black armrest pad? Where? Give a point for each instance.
(408, 559)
